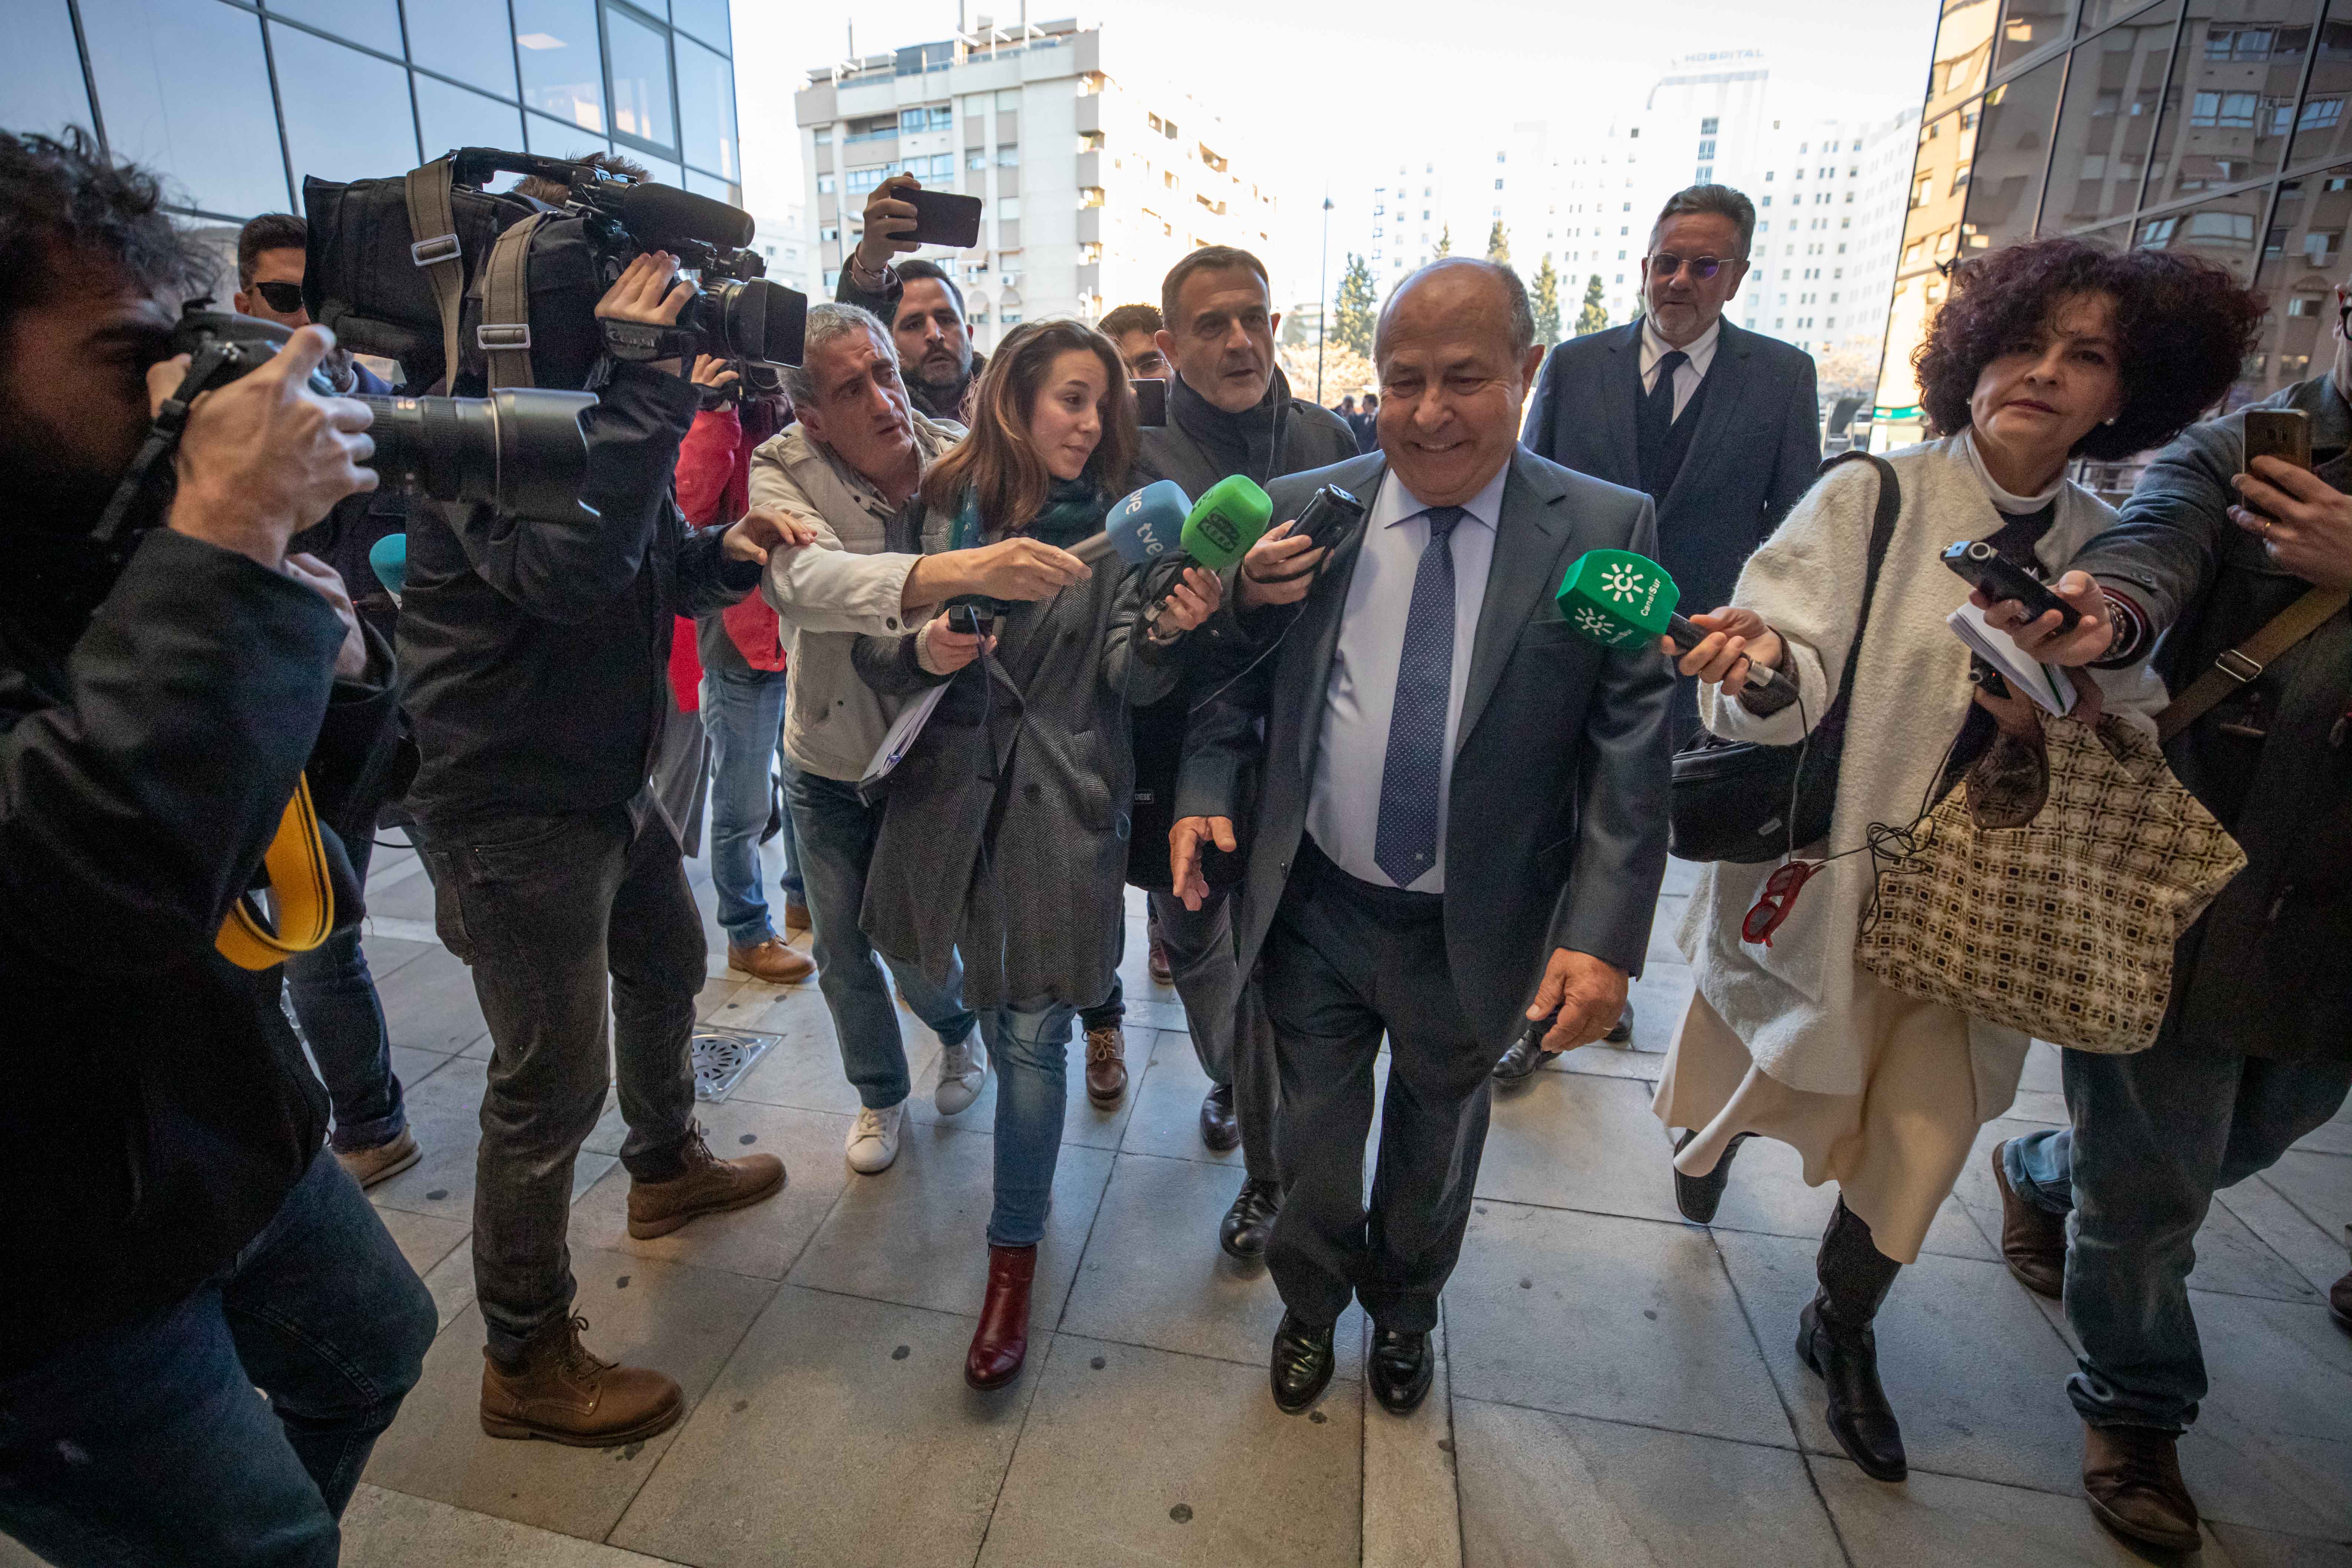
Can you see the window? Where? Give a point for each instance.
(188, 93)
(40, 73)
(706, 109)
(977, 158)
(1009, 319)
(1705, 126)
(824, 135)
(452, 117)
(2304, 305)
(1705, 175)
(830, 233)
(1498, 185)
(639, 56)
(465, 41)
(1706, 148)
(373, 23)
(2228, 111)
(706, 19)
(825, 184)
(2321, 114)
(345, 112)
(561, 74)
(1008, 156)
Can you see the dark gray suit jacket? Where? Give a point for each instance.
(1757, 449)
(1557, 835)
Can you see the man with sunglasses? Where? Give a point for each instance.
(1720, 427)
(271, 253)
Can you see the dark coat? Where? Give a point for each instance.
(1757, 449)
(537, 652)
(1004, 829)
(1306, 436)
(1558, 834)
(152, 1118)
(2262, 972)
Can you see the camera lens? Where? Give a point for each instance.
(758, 321)
(521, 450)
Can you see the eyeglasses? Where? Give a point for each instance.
(1778, 898)
(1665, 264)
(282, 297)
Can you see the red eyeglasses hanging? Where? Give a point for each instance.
(1780, 897)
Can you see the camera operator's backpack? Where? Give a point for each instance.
(452, 280)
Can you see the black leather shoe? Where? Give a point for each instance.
(1621, 1033)
(1525, 1055)
(1400, 1368)
(1301, 1366)
(1859, 1416)
(1218, 1131)
(1700, 1196)
(1251, 1220)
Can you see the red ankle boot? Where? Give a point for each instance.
(1001, 1341)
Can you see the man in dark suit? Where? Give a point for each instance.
(1720, 427)
(1428, 721)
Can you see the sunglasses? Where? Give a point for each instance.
(1778, 898)
(285, 297)
(1665, 264)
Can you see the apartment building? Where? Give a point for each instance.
(1828, 213)
(1094, 178)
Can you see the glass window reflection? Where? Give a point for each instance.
(347, 115)
(2321, 129)
(1963, 54)
(2303, 262)
(717, 190)
(557, 139)
(2012, 152)
(2220, 231)
(40, 70)
(2232, 105)
(453, 117)
(375, 23)
(706, 19)
(186, 93)
(640, 61)
(2105, 128)
(2026, 26)
(562, 73)
(467, 39)
(706, 109)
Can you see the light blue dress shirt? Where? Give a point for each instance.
(1343, 805)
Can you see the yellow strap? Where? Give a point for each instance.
(295, 864)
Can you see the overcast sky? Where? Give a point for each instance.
(1327, 93)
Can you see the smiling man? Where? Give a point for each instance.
(1458, 794)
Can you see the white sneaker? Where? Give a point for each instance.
(963, 1072)
(873, 1142)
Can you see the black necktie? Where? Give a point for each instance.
(1657, 419)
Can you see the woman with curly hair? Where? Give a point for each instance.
(2044, 352)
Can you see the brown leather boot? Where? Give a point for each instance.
(1001, 1342)
(709, 1185)
(565, 1394)
(2033, 1239)
(1105, 1065)
(771, 961)
(2131, 1475)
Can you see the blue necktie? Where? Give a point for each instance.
(1404, 846)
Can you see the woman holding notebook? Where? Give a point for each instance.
(2043, 353)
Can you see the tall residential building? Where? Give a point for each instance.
(1094, 180)
(783, 242)
(236, 106)
(1828, 211)
(2222, 132)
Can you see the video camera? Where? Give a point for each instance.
(406, 266)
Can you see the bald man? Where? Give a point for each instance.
(1459, 793)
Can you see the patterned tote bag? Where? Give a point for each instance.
(2060, 921)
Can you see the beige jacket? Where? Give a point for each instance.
(833, 591)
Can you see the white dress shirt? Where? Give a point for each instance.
(1686, 376)
(1343, 803)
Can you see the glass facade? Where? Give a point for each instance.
(2216, 127)
(235, 103)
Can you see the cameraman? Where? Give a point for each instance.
(537, 652)
(176, 1234)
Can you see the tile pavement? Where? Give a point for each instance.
(1619, 1387)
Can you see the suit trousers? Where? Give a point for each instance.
(1346, 963)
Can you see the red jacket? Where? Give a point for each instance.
(714, 485)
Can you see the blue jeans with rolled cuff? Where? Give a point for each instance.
(334, 1002)
(743, 714)
(1031, 1047)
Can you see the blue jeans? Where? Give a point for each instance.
(837, 845)
(1032, 1046)
(146, 1443)
(335, 1001)
(2156, 1135)
(743, 714)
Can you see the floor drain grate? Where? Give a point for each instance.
(721, 1057)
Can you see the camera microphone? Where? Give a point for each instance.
(662, 217)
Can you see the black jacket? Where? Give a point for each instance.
(536, 653)
(154, 1106)
(1199, 445)
(2260, 973)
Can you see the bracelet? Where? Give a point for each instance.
(871, 281)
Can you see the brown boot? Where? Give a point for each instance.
(1001, 1342)
(771, 961)
(2033, 1239)
(709, 1185)
(2131, 1475)
(561, 1392)
(1105, 1065)
(381, 1164)
(2339, 1303)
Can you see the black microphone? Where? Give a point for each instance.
(662, 216)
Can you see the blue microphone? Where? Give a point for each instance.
(1148, 524)
(389, 557)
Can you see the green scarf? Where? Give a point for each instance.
(1073, 510)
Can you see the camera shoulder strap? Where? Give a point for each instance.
(504, 335)
(2239, 666)
(432, 233)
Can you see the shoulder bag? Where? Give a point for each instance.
(1748, 803)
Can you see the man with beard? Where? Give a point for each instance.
(918, 299)
(177, 1236)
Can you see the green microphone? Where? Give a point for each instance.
(1614, 597)
(1230, 516)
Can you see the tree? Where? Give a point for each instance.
(1595, 315)
(1352, 312)
(1498, 243)
(1444, 241)
(1546, 298)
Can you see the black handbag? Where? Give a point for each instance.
(1746, 803)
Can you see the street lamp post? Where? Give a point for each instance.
(1323, 303)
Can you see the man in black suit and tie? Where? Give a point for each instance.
(1428, 721)
(1719, 426)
